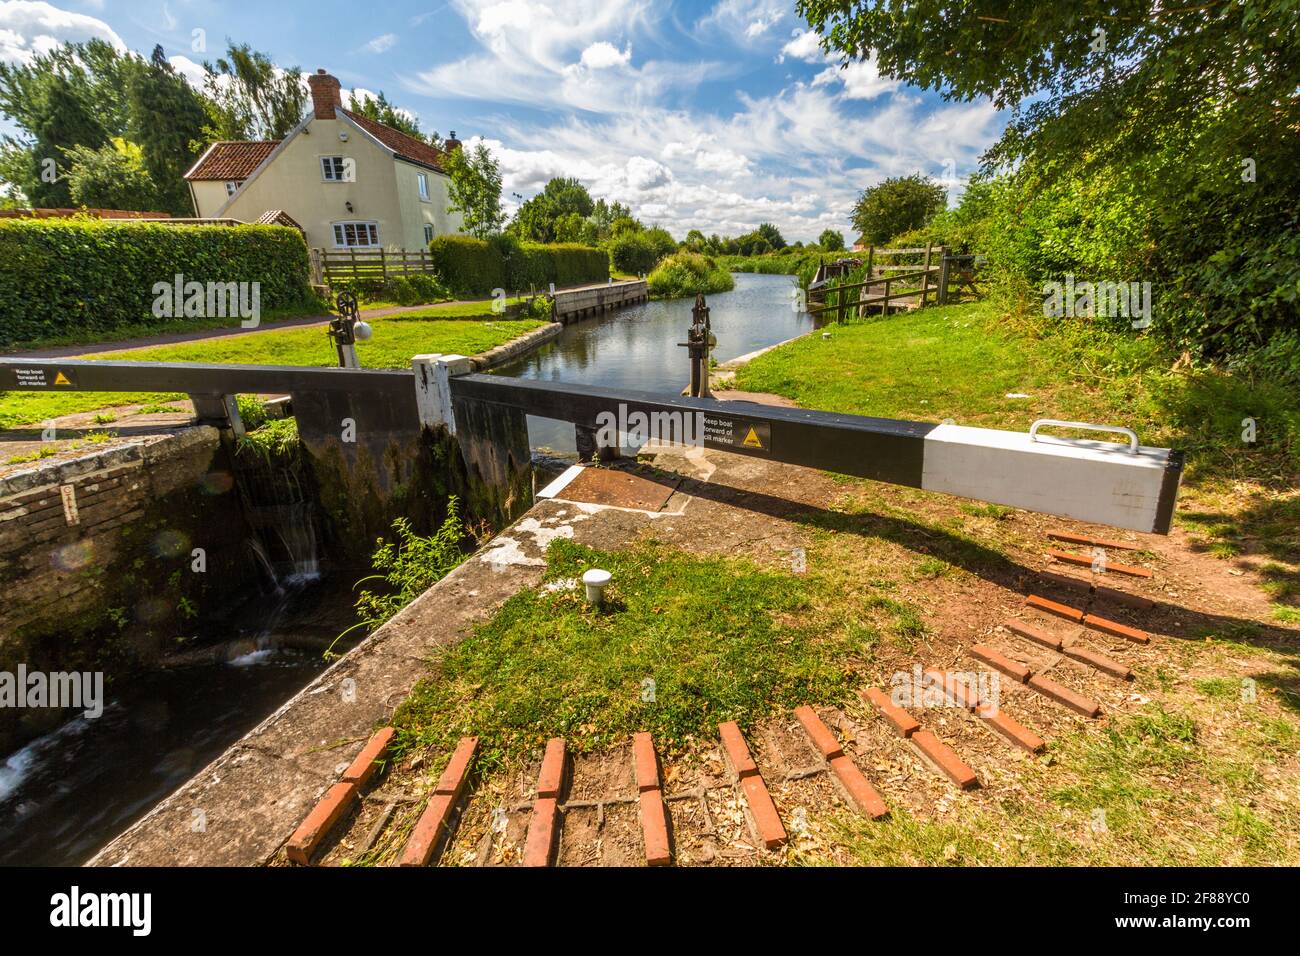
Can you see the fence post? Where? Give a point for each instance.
(925, 275)
(871, 254)
(884, 305)
(383, 264)
(943, 275)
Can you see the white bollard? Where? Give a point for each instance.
(596, 581)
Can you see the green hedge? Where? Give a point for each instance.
(471, 266)
(78, 278)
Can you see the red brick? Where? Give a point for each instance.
(819, 733)
(540, 842)
(1095, 542)
(1053, 607)
(1109, 567)
(733, 742)
(647, 764)
(954, 689)
(1000, 662)
(953, 767)
(903, 722)
(654, 827)
(1010, 729)
(1114, 627)
(331, 808)
(367, 762)
(433, 824)
(1035, 634)
(861, 793)
(1063, 695)
(771, 833)
(454, 774)
(551, 778)
(1103, 664)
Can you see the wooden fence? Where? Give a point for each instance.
(331, 265)
(899, 285)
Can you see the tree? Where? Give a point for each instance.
(771, 234)
(475, 189)
(251, 98)
(831, 241)
(537, 217)
(167, 120)
(111, 177)
(382, 111)
(897, 205)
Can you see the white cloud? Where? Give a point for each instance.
(28, 28)
(381, 43)
(603, 54)
(750, 19)
(557, 57)
(803, 45)
(861, 80)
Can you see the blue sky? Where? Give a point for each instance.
(713, 115)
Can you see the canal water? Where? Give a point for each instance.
(65, 795)
(637, 348)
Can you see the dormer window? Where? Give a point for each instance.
(333, 168)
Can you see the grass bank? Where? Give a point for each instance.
(963, 362)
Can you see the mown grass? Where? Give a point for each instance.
(963, 361)
(1145, 790)
(395, 340)
(683, 643)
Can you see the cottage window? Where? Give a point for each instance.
(423, 180)
(333, 168)
(233, 185)
(356, 235)
(428, 233)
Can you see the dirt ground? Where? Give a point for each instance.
(968, 568)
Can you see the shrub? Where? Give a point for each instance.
(404, 290)
(468, 266)
(688, 273)
(633, 253)
(477, 266)
(85, 277)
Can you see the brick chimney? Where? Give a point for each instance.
(450, 143)
(325, 94)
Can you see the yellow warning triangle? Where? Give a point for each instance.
(61, 379)
(752, 439)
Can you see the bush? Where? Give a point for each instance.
(86, 277)
(688, 273)
(633, 253)
(477, 266)
(404, 290)
(469, 266)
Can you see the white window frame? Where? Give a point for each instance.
(232, 186)
(340, 232)
(422, 180)
(428, 233)
(333, 169)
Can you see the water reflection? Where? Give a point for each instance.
(637, 347)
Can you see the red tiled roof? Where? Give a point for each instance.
(232, 160)
(406, 147)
